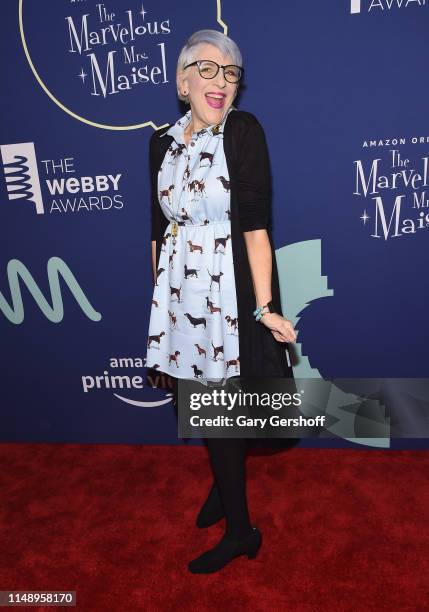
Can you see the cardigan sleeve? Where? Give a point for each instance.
(254, 180)
(158, 220)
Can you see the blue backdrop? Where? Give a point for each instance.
(340, 89)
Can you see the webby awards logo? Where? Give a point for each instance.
(67, 191)
(383, 6)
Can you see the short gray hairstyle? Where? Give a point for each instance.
(188, 53)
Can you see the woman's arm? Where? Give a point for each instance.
(155, 229)
(158, 220)
(254, 200)
(154, 260)
(259, 253)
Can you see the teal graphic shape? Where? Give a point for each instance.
(301, 281)
(17, 272)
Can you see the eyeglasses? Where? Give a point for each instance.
(209, 69)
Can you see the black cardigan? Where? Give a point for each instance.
(248, 164)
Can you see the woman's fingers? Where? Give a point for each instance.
(288, 335)
(281, 328)
(289, 332)
(279, 337)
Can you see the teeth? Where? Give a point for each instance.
(214, 96)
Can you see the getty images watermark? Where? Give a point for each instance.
(242, 401)
(242, 407)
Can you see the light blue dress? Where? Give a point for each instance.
(193, 329)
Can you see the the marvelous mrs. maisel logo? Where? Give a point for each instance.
(110, 42)
(108, 64)
(393, 188)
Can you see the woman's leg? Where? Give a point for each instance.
(228, 456)
(212, 509)
(228, 460)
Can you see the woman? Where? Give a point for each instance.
(214, 264)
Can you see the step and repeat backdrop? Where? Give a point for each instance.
(340, 88)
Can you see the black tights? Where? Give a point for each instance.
(228, 462)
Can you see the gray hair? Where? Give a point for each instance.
(187, 55)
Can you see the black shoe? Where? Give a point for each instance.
(216, 558)
(212, 510)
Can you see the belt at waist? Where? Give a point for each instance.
(226, 221)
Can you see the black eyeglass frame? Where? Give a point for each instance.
(198, 62)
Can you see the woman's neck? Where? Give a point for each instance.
(187, 135)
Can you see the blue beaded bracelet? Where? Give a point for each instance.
(258, 314)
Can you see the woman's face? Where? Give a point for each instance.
(206, 110)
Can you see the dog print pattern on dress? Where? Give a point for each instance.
(193, 328)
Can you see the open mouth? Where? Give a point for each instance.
(215, 101)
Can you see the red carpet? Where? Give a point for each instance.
(343, 529)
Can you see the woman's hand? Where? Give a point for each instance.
(281, 328)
